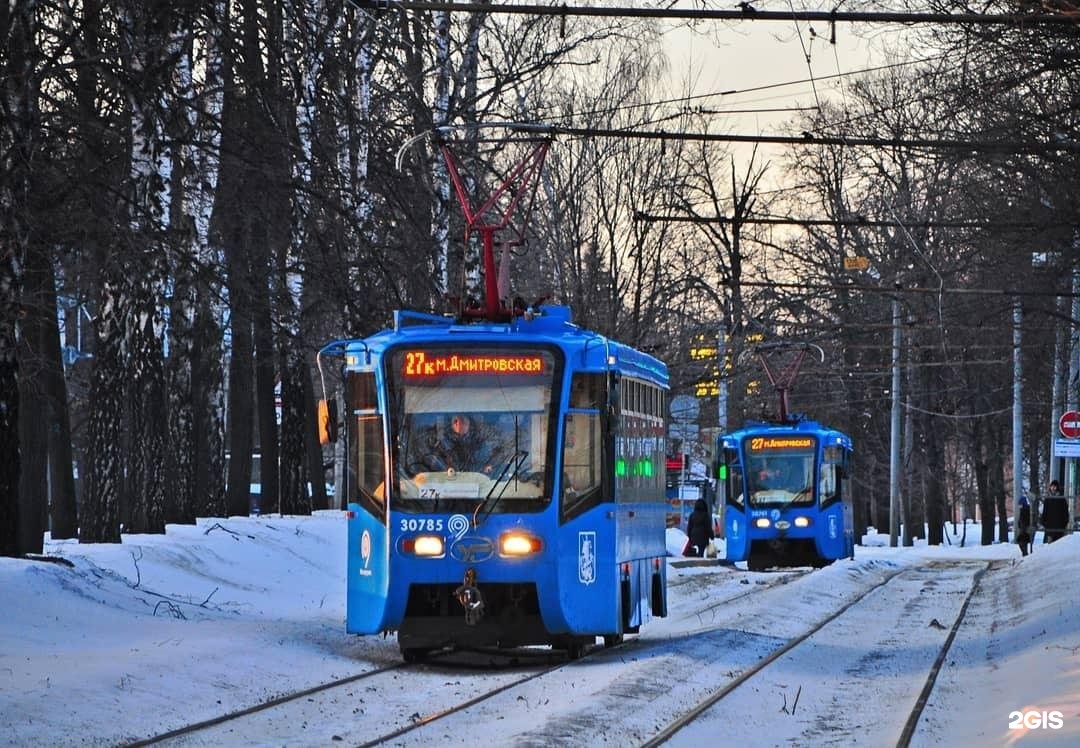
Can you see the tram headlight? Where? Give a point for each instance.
(425, 545)
(802, 521)
(762, 523)
(519, 544)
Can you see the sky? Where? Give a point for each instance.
(766, 69)
(105, 644)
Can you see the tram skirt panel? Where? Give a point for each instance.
(588, 599)
(832, 535)
(368, 570)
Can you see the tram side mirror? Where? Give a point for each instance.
(327, 417)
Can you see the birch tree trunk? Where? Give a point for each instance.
(196, 429)
(305, 59)
(103, 467)
(16, 145)
(147, 35)
(440, 178)
(244, 238)
(208, 376)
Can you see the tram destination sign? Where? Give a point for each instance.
(432, 364)
(763, 443)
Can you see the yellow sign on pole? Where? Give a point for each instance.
(856, 263)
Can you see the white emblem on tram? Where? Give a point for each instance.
(586, 567)
(458, 525)
(365, 553)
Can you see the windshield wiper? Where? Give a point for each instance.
(516, 462)
(795, 497)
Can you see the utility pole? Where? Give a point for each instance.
(1018, 408)
(894, 430)
(1057, 391)
(1069, 482)
(721, 362)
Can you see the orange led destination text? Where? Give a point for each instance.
(780, 442)
(424, 364)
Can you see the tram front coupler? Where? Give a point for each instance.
(468, 594)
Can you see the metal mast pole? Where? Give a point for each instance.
(1057, 391)
(1018, 408)
(721, 362)
(894, 431)
(1068, 483)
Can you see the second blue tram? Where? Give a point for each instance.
(553, 535)
(787, 494)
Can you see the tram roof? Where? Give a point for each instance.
(586, 349)
(805, 426)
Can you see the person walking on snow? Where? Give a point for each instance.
(699, 529)
(1023, 526)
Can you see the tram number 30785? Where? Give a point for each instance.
(421, 525)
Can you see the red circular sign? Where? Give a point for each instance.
(1070, 424)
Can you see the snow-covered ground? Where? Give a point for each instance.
(128, 640)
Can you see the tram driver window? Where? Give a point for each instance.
(588, 391)
(831, 472)
(365, 439)
(583, 444)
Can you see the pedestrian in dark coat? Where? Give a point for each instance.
(1023, 526)
(698, 529)
(1055, 514)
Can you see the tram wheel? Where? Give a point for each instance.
(576, 647)
(613, 640)
(414, 654)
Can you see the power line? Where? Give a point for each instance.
(807, 138)
(746, 13)
(856, 221)
(902, 290)
(699, 109)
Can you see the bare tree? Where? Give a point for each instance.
(17, 143)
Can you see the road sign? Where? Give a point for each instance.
(1069, 424)
(683, 430)
(685, 408)
(1066, 447)
(856, 263)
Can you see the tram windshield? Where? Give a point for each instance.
(471, 426)
(780, 474)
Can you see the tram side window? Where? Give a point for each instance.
(365, 434)
(640, 447)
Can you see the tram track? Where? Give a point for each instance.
(213, 730)
(537, 697)
(697, 713)
(264, 706)
(772, 582)
(294, 716)
(640, 672)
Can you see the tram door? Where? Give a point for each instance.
(736, 516)
(836, 509)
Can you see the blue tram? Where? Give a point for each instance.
(505, 483)
(786, 494)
